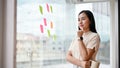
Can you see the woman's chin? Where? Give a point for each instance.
(82, 29)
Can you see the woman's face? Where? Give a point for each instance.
(83, 22)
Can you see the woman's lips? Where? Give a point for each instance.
(81, 25)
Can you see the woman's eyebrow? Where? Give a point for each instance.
(82, 17)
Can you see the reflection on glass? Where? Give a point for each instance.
(46, 28)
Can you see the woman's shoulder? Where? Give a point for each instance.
(93, 34)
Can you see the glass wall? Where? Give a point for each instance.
(46, 28)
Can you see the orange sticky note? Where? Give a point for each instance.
(41, 28)
(51, 24)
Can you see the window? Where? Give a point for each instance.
(46, 28)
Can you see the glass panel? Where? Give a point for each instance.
(45, 29)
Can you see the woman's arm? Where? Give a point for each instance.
(72, 59)
(77, 62)
(86, 53)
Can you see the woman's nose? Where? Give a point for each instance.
(80, 22)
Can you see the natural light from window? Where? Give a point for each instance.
(45, 30)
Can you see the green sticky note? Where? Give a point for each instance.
(41, 9)
(48, 31)
(54, 37)
(51, 9)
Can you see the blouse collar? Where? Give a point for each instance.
(86, 33)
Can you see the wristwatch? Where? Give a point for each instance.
(80, 38)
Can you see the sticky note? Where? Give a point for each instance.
(51, 9)
(45, 23)
(41, 9)
(48, 31)
(51, 24)
(54, 37)
(41, 28)
(47, 6)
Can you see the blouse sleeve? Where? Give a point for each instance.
(71, 45)
(94, 42)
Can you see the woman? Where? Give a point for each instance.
(85, 46)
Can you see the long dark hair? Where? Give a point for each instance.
(91, 18)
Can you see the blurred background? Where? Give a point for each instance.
(45, 29)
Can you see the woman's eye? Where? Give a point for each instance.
(83, 19)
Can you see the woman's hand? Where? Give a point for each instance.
(85, 64)
(79, 33)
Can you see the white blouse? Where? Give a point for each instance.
(90, 39)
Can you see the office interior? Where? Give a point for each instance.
(23, 44)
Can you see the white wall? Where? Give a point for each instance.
(8, 33)
(1, 33)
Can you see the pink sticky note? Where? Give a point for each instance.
(47, 7)
(41, 28)
(45, 23)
